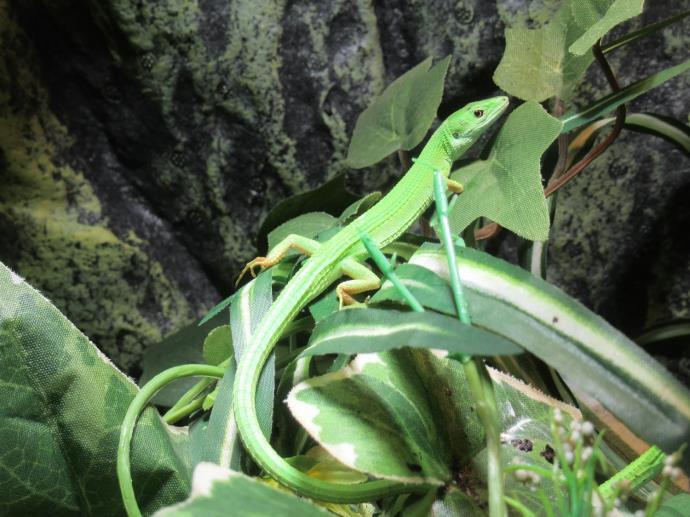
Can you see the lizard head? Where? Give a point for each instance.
(465, 125)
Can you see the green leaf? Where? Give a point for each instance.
(218, 345)
(373, 330)
(676, 506)
(668, 331)
(222, 443)
(307, 225)
(324, 306)
(220, 492)
(326, 468)
(644, 31)
(216, 309)
(507, 186)
(359, 207)
(408, 415)
(536, 64)
(613, 100)
(61, 407)
(400, 117)
(618, 12)
(332, 198)
(593, 357)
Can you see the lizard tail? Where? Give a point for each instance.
(283, 310)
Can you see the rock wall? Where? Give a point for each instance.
(142, 143)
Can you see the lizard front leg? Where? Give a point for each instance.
(363, 279)
(293, 241)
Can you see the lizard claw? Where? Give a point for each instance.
(257, 262)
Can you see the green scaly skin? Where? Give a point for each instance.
(384, 222)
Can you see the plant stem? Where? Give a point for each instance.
(177, 413)
(478, 378)
(136, 407)
(559, 181)
(389, 272)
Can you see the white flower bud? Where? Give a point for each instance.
(586, 453)
(587, 428)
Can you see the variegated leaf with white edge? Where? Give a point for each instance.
(407, 415)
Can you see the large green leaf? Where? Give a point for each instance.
(536, 64)
(60, 412)
(223, 493)
(408, 415)
(400, 117)
(600, 16)
(592, 356)
(221, 441)
(373, 330)
(507, 187)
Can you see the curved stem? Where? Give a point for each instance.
(558, 182)
(138, 404)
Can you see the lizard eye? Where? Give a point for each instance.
(456, 135)
(479, 113)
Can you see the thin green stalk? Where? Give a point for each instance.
(520, 507)
(389, 272)
(644, 31)
(136, 407)
(190, 395)
(179, 412)
(478, 378)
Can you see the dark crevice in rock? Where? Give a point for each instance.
(214, 25)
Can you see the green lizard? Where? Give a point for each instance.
(384, 222)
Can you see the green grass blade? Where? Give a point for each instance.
(612, 101)
(643, 32)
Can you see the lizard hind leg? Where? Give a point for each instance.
(363, 279)
(293, 241)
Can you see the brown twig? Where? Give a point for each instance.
(404, 158)
(558, 182)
